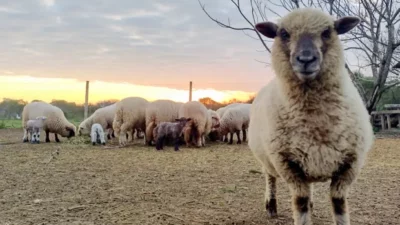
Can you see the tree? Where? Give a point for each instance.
(375, 41)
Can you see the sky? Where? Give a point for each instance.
(151, 49)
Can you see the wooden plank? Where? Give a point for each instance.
(383, 122)
(389, 122)
(385, 112)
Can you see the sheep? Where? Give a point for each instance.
(55, 120)
(171, 130)
(103, 116)
(199, 126)
(234, 120)
(221, 112)
(129, 115)
(97, 134)
(215, 124)
(160, 111)
(33, 128)
(309, 124)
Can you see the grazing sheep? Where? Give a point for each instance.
(200, 124)
(213, 134)
(309, 124)
(160, 111)
(55, 120)
(33, 128)
(221, 112)
(97, 134)
(234, 120)
(171, 130)
(103, 116)
(129, 115)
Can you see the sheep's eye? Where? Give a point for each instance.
(284, 35)
(326, 34)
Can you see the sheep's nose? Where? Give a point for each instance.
(306, 57)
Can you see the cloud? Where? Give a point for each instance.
(47, 3)
(165, 43)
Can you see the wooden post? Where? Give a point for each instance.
(383, 122)
(86, 100)
(389, 122)
(190, 91)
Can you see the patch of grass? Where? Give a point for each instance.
(10, 124)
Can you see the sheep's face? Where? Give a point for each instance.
(68, 132)
(307, 39)
(82, 130)
(183, 121)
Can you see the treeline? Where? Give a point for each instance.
(12, 108)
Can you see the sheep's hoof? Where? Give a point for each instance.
(239, 142)
(103, 143)
(25, 140)
(93, 143)
(270, 206)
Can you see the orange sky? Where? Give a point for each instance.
(29, 88)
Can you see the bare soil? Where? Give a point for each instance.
(219, 184)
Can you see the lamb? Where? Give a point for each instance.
(235, 119)
(103, 116)
(33, 128)
(129, 115)
(172, 130)
(200, 124)
(97, 134)
(309, 124)
(55, 120)
(160, 111)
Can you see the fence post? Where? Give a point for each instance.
(86, 100)
(190, 91)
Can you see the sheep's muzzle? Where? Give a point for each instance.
(306, 58)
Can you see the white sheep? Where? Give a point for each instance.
(129, 115)
(33, 128)
(309, 124)
(97, 134)
(55, 120)
(234, 120)
(199, 126)
(160, 111)
(103, 116)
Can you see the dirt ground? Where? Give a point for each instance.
(219, 184)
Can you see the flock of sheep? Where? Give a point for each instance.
(160, 120)
(308, 125)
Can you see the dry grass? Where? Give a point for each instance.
(83, 184)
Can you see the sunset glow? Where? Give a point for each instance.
(30, 88)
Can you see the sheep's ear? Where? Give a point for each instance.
(345, 24)
(268, 29)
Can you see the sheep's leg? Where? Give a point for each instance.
(124, 134)
(56, 137)
(231, 138)
(203, 140)
(226, 138)
(47, 135)
(160, 142)
(340, 185)
(25, 138)
(176, 144)
(238, 137)
(112, 134)
(301, 195)
(270, 195)
(244, 135)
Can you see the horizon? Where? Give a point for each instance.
(154, 47)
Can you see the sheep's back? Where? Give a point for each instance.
(162, 111)
(197, 112)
